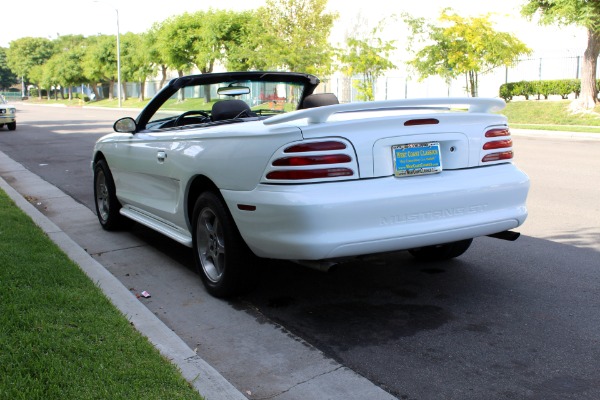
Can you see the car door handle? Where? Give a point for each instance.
(161, 156)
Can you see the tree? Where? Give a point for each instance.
(46, 77)
(66, 64)
(174, 40)
(38, 78)
(136, 64)
(295, 36)
(26, 53)
(202, 39)
(585, 13)
(100, 61)
(152, 45)
(7, 77)
(235, 38)
(367, 56)
(461, 46)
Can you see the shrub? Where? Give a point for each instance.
(560, 87)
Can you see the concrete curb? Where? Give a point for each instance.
(554, 134)
(204, 378)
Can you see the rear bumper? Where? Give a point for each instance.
(340, 219)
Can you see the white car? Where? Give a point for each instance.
(245, 165)
(8, 115)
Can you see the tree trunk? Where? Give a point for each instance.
(163, 79)
(111, 89)
(207, 70)
(142, 89)
(589, 92)
(472, 83)
(124, 90)
(94, 87)
(181, 95)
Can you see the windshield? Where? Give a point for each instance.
(194, 104)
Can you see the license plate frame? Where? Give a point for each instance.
(415, 159)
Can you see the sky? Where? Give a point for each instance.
(50, 19)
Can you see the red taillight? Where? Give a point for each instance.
(328, 159)
(315, 146)
(498, 144)
(505, 155)
(300, 174)
(497, 132)
(312, 160)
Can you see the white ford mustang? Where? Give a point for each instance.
(253, 164)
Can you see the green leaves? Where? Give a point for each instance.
(567, 12)
(282, 35)
(461, 46)
(25, 53)
(368, 57)
(7, 77)
(295, 36)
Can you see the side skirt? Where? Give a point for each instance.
(168, 230)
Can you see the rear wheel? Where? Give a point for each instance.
(441, 252)
(224, 261)
(107, 205)
(11, 126)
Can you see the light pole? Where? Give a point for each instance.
(118, 58)
(118, 53)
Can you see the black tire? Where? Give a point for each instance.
(441, 252)
(11, 126)
(105, 198)
(224, 261)
(1, 126)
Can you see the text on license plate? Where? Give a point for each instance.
(417, 159)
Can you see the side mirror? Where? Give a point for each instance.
(125, 125)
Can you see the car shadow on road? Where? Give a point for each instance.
(496, 320)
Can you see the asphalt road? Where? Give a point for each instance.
(505, 321)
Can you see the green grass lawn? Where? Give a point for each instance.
(550, 115)
(60, 337)
(114, 103)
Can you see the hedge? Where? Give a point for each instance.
(560, 87)
(33, 92)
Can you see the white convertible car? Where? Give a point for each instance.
(245, 165)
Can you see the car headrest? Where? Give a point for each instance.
(229, 109)
(319, 100)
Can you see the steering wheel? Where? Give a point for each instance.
(179, 119)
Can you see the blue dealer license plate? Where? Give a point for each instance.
(417, 159)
